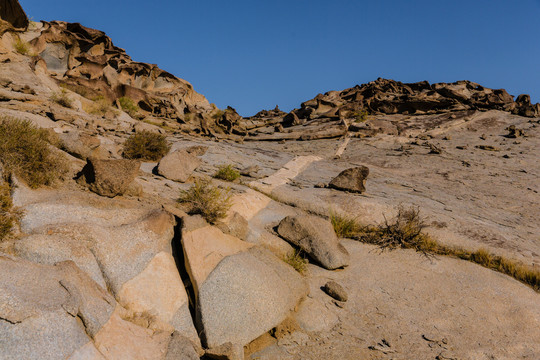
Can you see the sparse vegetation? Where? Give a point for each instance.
(128, 105)
(146, 145)
(218, 114)
(25, 151)
(79, 89)
(406, 230)
(61, 98)
(297, 261)
(207, 200)
(344, 226)
(227, 173)
(9, 215)
(100, 106)
(360, 116)
(21, 46)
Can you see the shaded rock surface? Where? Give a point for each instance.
(316, 237)
(110, 177)
(12, 12)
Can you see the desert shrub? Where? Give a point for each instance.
(100, 106)
(227, 173)
(128, 105)
(146, 145)
(405, 230)
(61, 98)
(21, 46)
(9, 216)
(207, 200)
(218, 114)
(297, 261)
(25, 151)
(360, 116)
(344, 226)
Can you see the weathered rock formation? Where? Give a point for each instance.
(331, 114)
(12, 13)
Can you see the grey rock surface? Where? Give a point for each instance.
(316, 237)
(38, 313)
(180, 347)
(246, 295)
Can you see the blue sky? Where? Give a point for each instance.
(255, 54)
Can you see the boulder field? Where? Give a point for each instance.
(108, 265)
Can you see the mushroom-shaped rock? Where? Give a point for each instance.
(178, 165)
(316, 237)
(353, 180)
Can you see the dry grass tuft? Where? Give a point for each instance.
(146, 145)
(227, 173)
(297, 261)
(128, 105)
(25, 151)
(406, 230)
(62, 98)
(344, 226)
(21, 46)
(207, 200)
(100, 106)
(9, 215)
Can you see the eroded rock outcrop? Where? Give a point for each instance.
(12, 13)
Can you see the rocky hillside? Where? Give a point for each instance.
(137, 221)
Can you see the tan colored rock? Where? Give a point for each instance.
(353, 180)
(158, 290)
(316, 237)
(178, 165)
(87, 352)
(110, 177)
(205, 248)
(121, 339)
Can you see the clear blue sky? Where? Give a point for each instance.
(254, 54)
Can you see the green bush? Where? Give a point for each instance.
(62, 98)
(146, 145)
(360, 116)
(128, 106)
(207, 200)
(227, 173)
(25, 151)
(9, 216)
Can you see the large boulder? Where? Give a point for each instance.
(178, 165)
(242, 290)
(12, 12)
(40, 308)
(81, 145)
(110, 177)
(353, 180)
(124, 246)
(317, 238)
